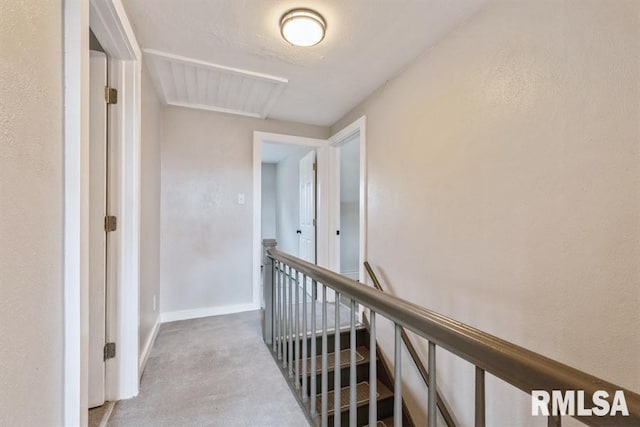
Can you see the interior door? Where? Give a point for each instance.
(97, 234)
(307, 236)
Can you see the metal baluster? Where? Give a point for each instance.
(353, 408)
(280, 310)
(290, 349)
(336, 372)
(554, 420)
(276, 301)
(480, 399)
(285, 312)
(431, 407)
(314, 353)
(397, 390)
(373, 380)
(325, 384)
(297, 331)
(305, 393)
(274, 293)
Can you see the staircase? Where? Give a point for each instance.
(384, 382)
(521, 368)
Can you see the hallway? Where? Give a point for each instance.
(213, 371)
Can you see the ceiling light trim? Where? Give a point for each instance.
(300, 14)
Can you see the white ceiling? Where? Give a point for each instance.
(367, 43)
(275, 153)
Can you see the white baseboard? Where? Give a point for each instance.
(147, 348)
(172, 316)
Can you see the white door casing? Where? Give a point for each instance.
(97, 234)
(111, 26)
(307, 213)
(335, 141)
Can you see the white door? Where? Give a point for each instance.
(97, 234)
(307, 239)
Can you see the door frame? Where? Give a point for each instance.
(303, 204)
(322, 206)
(98, 237)
(335, 141)
(108, 20)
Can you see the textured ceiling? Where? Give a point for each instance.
(367, 42)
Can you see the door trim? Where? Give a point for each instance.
(322, 191)
(111, 26)
(336, 141)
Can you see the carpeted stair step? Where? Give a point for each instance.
(362, 339)
(362, 368)
(384, 403)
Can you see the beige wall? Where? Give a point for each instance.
(504, 184)
(150, 211)
(206, 236)
(269, 199)
(31, 153)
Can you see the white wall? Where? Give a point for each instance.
(31, 212)
(268, 201)
(206, 249)
(288, 199)
(504, 177)
(150, 213)
(349, 238)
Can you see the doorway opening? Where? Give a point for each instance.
(284, 210)
(349, 200)
(294, 157)
(327, 200)
(349, 206)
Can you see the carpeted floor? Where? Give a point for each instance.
(213, 371)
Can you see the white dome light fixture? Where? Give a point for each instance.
(302, 27)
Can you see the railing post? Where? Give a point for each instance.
(267, 274)
(480, 398)
(431, 405)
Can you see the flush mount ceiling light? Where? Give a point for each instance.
(302, 27)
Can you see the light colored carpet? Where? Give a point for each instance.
(214, 371)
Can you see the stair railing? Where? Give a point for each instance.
(413, 353)
(518, 366)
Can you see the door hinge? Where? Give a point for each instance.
(109, 350)
(315, 166)
(314, 222)
(110, 95)
(110, 223)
